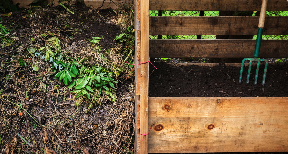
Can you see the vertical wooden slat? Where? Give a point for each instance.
(144, 21)
(137, 76)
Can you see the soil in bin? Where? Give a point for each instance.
(170, 80)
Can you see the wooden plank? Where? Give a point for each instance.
(215, 64)
(218, 124)
(220, 48)
(137, 76)
(144, 57)
(220, 25)
(104, 4)
(217, 5)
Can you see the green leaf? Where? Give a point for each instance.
(95, 40)
(84, 92)
(89, 88)
(111, 85)
(71, 74)
(79, 94)
(41, 48)
(62, 76)
(22, 62)
(36, 68)
(47, 56)
(76, 91)
(82, 84)
(68, 76)
(98, 69)
(100, 91)
(88, 95)
(98, 85)
(65, 80)
(58, 74)
(72, 84)
(74, 69)
(104, 79)
(120, 36)
(51, 53)
(106, 88)
(98, 78)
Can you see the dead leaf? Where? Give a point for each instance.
(86, 151)
(47, 151)
(45, 137)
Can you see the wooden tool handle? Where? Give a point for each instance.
(262, 14)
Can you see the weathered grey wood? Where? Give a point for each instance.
(217, 5)
(218, 124)
(233, 25)
(225, 48)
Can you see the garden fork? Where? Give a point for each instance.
(257, 48)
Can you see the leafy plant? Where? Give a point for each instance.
(52, 44)
(5, 40)
(95, 40)
(22, 62)
(92, 78)
(68, 73)
(127, 39)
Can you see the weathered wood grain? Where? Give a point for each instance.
(137, 76)
(228, 124)
(144, 57)
(217, 5)
(217, 48)
(232, 25)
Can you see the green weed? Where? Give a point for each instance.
(4, 39)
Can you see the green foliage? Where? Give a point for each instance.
(127, 39)
(88, 81)
(52, 47)
(22, 62)
(68, 73)
(277, 13)
(4, 39)
(95, 40)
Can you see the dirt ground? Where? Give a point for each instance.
(38, 114)
(170, 80)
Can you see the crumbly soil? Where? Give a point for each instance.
(170, 80)
(37, 113)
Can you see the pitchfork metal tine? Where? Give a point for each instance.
(249, 71)
(257, 70)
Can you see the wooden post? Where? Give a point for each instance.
(144, 57)
(137, 75)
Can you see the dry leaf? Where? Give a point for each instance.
(47, 151)
(45, 137)
(85, 151)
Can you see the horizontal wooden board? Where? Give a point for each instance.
(215, 64)
(218, 5)
(221, 25)
(224, 124)
(104, 4)
(218, 48)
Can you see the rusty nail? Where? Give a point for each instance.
(158, 127)
(167, 107)
(211, 126)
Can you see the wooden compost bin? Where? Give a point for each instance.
(207, 124)
(104, 4)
